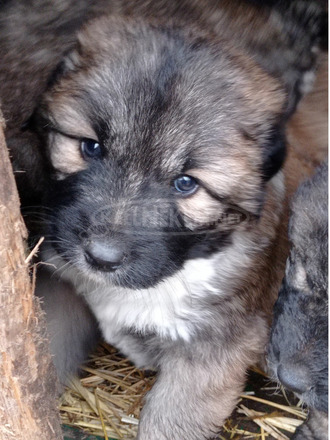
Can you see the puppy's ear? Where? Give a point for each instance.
(285, 39)
(69, 63)
(287, 45)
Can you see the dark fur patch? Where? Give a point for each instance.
(298, 350)
(274, 152)
(194, 87)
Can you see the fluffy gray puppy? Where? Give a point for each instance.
(298, 350)
(163, 136)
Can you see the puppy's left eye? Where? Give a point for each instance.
(90, 149)
(185, 184)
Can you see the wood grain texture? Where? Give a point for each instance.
(27, 377)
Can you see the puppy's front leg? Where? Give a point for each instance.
(72, 329)
(196, 390)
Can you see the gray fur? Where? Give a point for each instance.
(34, 36)
(298, 351)
(70, 324)
(172, 88)
(315, 428)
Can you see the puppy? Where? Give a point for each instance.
(298, 350)
(164, 135)
(71, 325)
(34, 35)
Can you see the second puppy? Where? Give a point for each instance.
(298, 350)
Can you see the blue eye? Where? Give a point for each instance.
(185, 184)
(90, 149)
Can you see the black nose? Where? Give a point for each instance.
(294, 376)
(104, 256)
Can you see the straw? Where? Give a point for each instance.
(107, 402)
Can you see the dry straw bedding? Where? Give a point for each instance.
(107, 402)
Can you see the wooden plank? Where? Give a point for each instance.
(28, 384)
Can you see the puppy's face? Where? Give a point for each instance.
(299, 339)
(161, 142)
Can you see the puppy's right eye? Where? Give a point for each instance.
(90, 149)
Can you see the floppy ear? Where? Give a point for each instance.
(285, 37)
(68, 63)
(296, 31)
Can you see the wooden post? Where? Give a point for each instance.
(27, 377)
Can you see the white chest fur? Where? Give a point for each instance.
(172, 308)
(167, 309)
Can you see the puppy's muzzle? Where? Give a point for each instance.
(104, 256)
(294, 376)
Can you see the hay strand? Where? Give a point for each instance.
(108, 400)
